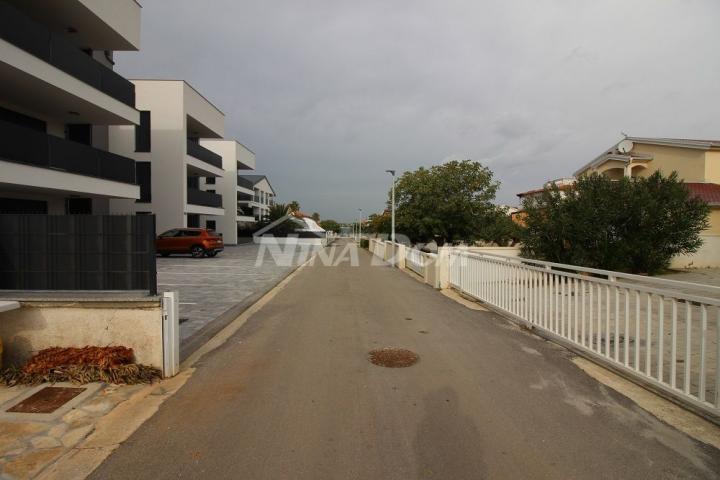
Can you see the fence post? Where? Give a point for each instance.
(400, 259)
(170, 334)
(442, 266)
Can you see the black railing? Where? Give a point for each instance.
(245, 212)
(54, 49)
(78, 252)
(244, 182)
(206, 199)
(244, 197)
(24, 145)
(196, 150)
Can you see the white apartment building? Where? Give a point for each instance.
(235, 157)
(263, 197)
(58, 97)
(171, 162)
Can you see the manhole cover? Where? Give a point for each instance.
(46, 400)
(392, 357)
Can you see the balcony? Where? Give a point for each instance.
(31, 147)
(55, 50)
(245, 183)
(205, 199)
(196, 150)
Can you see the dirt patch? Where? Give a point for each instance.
(393, 357)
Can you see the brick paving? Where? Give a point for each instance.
(208, 287)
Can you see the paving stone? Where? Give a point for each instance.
(74, 415)
(58, 430)
(29, 464)
(14, 435)
(99, 405)
(45, 442)
(71, 438)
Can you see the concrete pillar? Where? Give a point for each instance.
(443, 267)
(400, 259)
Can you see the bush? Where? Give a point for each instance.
(633, 225)
(364, 243)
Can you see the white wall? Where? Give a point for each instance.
(164, 99)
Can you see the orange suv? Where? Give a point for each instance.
(198, 242)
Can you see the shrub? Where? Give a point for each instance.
(634, 225)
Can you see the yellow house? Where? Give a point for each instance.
(697, 162)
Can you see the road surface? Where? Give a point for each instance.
(292, 396)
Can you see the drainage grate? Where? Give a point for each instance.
(393, 357)
(46, 400)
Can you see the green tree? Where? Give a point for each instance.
(330, 226)
(634, 225)
(379, 223)
(446, 203)
(315, 216)
(294, 206)
(277, 211)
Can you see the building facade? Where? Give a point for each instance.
(263, 197)
(59, 97)
(172, 164)
(236, 157)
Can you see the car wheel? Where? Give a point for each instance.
(197, 251)
(211, 254)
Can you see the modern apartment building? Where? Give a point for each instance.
(172, 164)
(263, 197)
(232, 187)
(58, 97)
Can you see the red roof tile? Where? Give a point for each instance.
(710, 192)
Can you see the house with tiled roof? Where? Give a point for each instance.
(697, 163)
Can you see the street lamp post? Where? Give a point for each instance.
(392, 206)
(360, 226)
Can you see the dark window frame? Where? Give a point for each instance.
(143, 177)
(143, 132)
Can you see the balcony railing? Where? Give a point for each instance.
(196, 150)
(244, 182)
(54, 49)
(24, 145)
(206, 199)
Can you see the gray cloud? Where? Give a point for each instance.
(329, 94)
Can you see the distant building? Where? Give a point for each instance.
(263, 197)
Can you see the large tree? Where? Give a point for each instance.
(634, 225)
(447, 203)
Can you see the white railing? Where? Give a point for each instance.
(646, 328)
(415, 260)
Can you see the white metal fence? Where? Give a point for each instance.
(415, 260)
(645, 327)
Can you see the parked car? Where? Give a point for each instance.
(198, 242)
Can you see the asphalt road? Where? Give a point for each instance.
(293, 396)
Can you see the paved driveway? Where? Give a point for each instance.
(210, 287)
(292, 396)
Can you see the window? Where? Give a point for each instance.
(190, 233)
(142, 133)
(144, 180)
(210, 224)
(210, 191)
(22, 120)
(79, 132)
(18, 205)
(78, 206)
(170, 233)
(210, 181)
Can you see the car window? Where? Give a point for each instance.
(170, 233)
(190, 233)
(211, 233)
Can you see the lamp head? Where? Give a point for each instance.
(391, 172)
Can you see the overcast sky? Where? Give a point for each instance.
(329, 94)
